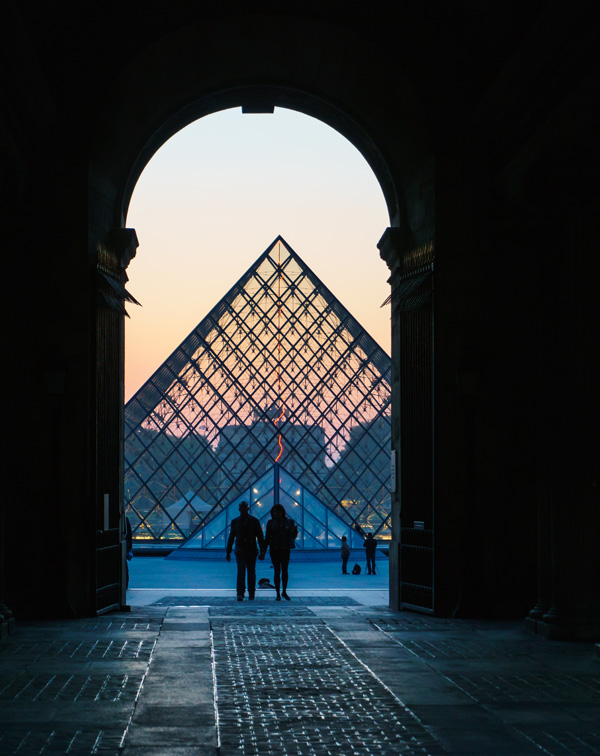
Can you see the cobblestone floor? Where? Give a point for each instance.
(522, 687)
(290, 688)
(71, 687)
(318, 676)
(546, 693)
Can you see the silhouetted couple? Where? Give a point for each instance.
(250, 544)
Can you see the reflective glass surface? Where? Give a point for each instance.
(278, 371)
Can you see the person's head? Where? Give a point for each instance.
(369, 535)
(243, 507)
(278, 511)
(344, 539)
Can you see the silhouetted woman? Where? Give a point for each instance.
(279, 539)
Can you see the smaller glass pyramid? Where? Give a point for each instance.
(318, 526)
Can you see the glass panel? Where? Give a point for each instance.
(315, 507)
(337, 527)
(262, 486)
(218, 542)
(289, 485)
(213, 529)
(184, 520)
(172, 532)
(292, 506)
(263, 518)
(134, 517)
(308, 542)
(233, 508)
(356, 540)
(334, 541)
(315, 529)
(263, 505)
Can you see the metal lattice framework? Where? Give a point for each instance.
(278, 371)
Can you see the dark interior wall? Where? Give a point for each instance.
(485, 436)
(46, 335)
(48, 396)
(479, 124)
(506, 290)
(328, 72)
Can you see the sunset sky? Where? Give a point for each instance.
(214, 198)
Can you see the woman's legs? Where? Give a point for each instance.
(276, 569)
(285, 560)
(280, 559)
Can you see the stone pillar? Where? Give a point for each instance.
(544, 556)
(115, 252)
(7, 621)
(568, 606)
(575, 507)
(411, 551)
(390, 246)
(544, 444)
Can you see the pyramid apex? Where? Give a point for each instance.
(276, 240)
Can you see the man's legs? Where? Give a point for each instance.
(240, 558)
(251, 568)
(370, 564)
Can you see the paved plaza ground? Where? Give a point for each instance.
(190, 670)
(153, 577)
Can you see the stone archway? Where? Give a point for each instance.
(326, 72)
(177, 80)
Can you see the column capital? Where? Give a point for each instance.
(119, 247)
(391, 245)
(402, 252)
(114, 253)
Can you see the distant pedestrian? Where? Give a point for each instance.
(345, 551)
(370, 545)
(280, 537)
(128, 549)
(245, 532)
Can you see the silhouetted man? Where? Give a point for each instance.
(245, 531)
(345, 552)
(128, 548)
(370, 545)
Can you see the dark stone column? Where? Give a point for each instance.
(544, 437)
(544, 555)
(390, 246)
(411, 551)
(7, 621)
(115, 253)
(568, 418)
(574, 459)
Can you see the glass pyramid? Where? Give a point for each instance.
(318, 526)
(277, 372)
